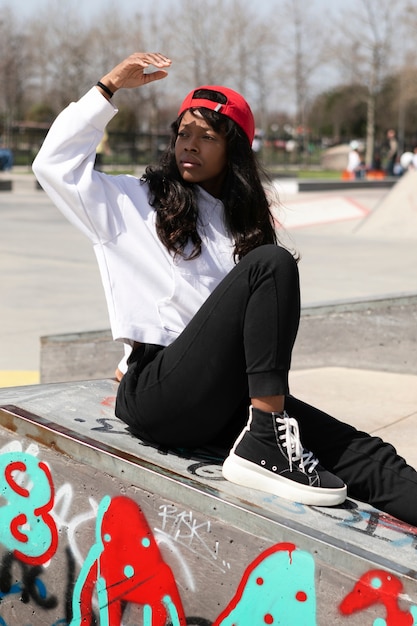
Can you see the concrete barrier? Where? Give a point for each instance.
(97, 527)
(6, 184)
(336, 185)
(384, 328)
(76, 356)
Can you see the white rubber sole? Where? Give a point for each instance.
(242, 472)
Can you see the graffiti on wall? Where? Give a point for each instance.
(124, 565)
(26, 525)
(379, 587)
(279, 582)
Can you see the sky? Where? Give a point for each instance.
(87, 7)
(27, 8)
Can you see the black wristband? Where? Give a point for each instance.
(105, 88)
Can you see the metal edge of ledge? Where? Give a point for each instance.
(244, 515)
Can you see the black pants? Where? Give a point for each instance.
(196, 392)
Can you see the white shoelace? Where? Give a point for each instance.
(290, 437)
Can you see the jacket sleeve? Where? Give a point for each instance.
(64, 167)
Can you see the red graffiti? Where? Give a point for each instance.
(15, 526)
(16, 466)
(125, 565)
(392, 523)
(378, 586)
(109, 401)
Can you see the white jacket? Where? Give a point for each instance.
(150, 296)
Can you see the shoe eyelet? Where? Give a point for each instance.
(274, 468)
(263, 462)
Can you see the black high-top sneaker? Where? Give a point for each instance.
(268, 455)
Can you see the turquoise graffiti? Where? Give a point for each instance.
(125, 565)
(277, 588)
(27, 496)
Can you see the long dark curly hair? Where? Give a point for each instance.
(247, 211)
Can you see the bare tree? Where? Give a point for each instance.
(110, 40)
(199, 41)
(302, 55)
(60, 54)
(252, 52)
(407, 75)
(364, 49)
(13, 70)
(224, 42)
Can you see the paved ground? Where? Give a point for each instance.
(358, 362)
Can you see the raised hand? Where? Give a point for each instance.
(134, 71)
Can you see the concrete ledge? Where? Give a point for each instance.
(209, 533)
(334, 185)
(6, 184)
(379, 334)
(79, 356)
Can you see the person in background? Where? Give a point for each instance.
(207, 300)
(356, 161)
(353, 158)
(414, 159)
(6, 158)
(392, 153)
(360, 169)
(102, 149)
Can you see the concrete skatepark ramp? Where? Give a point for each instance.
(396, 214)
(98, 528)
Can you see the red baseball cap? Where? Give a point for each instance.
(236, 107)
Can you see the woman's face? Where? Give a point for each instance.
(200, 153)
